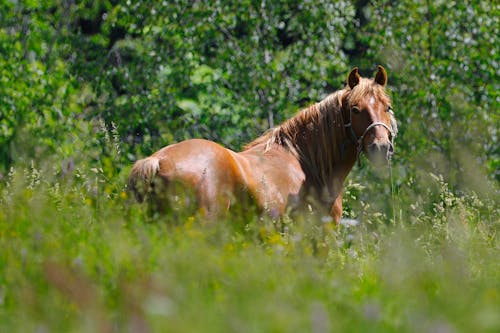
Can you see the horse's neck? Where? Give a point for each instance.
(316, 138)
(323, 149)
(332, 175)
(326, 187)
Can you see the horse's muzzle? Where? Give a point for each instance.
(380, 152)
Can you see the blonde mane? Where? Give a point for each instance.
(316, 135)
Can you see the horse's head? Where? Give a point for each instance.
(371, 121)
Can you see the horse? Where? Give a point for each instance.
(308, 155)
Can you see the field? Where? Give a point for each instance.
(89, 87)
(74, 260)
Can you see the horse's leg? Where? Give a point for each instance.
(336, 210)
(206, 205)
(214, 200)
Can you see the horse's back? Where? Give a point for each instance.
(194, 161)
(218, 177)
(204, 167)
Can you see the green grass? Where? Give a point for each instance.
(78, 258)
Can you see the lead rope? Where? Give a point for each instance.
(393, 193)
(360, 149)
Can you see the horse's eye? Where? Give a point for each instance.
(355, 109)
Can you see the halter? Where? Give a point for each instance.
(359, 140)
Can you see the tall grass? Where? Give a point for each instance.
(77, 256)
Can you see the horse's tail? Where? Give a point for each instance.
(140, 180)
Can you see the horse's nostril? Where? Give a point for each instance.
(374, 148)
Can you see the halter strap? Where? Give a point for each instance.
(359, 140)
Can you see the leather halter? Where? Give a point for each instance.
(359, 140)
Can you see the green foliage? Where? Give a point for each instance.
(217, 70)
(77, 259)
(444, 61)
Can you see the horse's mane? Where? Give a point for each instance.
(316, 135)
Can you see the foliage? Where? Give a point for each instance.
(74, 259)
(444, 58)
(88, 87)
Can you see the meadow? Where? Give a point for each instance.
(74, 260)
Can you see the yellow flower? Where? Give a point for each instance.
(275, 238)
(189, 222)
(229, 248)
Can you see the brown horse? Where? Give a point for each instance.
(308, 156)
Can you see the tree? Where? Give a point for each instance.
(444, 63)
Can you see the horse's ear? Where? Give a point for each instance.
(381, 76)
(353, 78)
